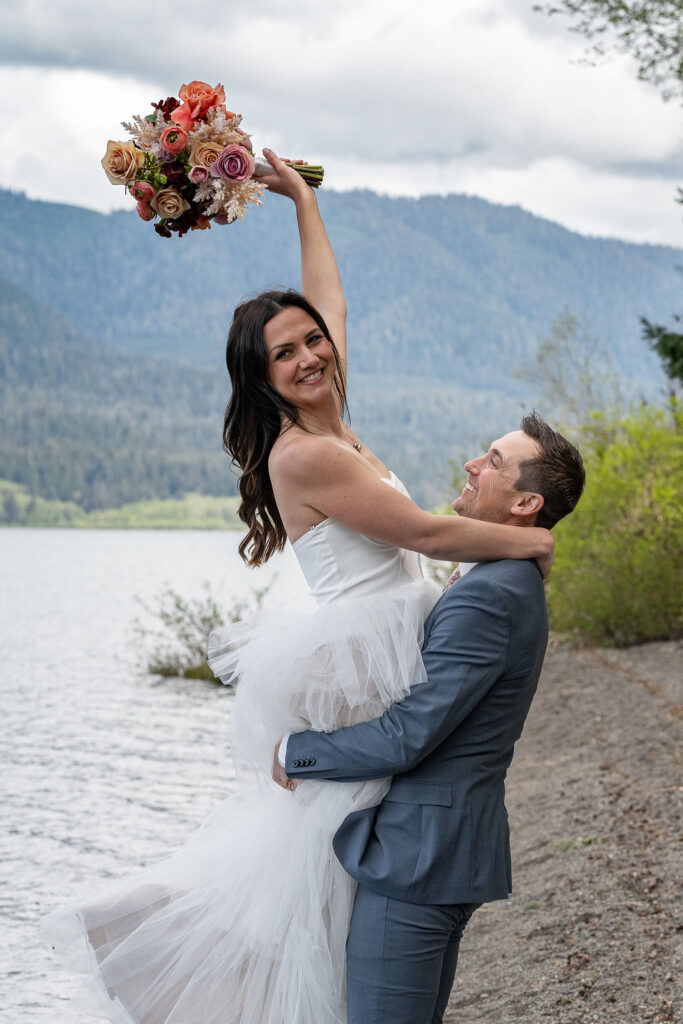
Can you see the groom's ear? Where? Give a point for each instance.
(527, 504)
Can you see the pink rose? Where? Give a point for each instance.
(145, 211)
(234, 163)
(174, 139)
(142, 191)
(198, 174)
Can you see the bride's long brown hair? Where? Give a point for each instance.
(254, 416)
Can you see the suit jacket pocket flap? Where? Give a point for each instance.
(404, 792)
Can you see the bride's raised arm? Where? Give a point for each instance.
(320, 281)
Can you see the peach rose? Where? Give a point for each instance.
(205, 154)
(122, 161)
(198, 98)
(169, 203)
(173, 139)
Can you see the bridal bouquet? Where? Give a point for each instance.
(190, 163)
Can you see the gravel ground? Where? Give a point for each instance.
(589, 934)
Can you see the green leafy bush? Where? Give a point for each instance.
(619, 557)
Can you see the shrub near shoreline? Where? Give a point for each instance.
(619, 557)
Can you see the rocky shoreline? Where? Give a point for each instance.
(589, 934)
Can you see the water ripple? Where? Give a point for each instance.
(104, 770)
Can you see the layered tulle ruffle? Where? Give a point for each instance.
(247, 923)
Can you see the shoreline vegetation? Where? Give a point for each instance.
(191, 512)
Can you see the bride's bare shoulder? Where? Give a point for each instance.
(299, 456)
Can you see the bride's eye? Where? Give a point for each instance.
(315, 339)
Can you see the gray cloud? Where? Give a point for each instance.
(492, 79)
(488, 88)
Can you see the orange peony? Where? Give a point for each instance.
(198, 98)
(122, 161)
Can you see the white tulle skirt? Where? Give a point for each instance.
(247, 923)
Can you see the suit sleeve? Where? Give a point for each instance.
(466, 653)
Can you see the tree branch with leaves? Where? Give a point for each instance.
(650, 31)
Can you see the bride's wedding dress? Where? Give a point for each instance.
(247, 923)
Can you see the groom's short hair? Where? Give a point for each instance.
(557, 472)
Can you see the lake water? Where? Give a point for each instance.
(104, 768)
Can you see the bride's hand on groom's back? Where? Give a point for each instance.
(545, 561)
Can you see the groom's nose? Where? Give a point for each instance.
(473, 465)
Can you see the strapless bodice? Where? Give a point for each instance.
(337, 562)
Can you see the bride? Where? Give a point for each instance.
(247, 923)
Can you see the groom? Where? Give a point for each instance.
(437, 847)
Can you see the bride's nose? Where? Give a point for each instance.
(308, 359)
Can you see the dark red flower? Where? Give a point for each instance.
(164, 107)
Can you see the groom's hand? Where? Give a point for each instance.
(279, 774)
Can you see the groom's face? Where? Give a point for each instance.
(489, 493)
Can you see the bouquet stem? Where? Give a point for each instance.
(311, 173)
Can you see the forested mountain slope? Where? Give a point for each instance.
(446, 295)
(83, 422)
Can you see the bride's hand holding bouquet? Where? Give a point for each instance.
(280, 176)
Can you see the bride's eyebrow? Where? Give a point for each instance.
(286, 344)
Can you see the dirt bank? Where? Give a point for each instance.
(589, 934)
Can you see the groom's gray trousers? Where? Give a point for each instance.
(401, 958)
(439, 842)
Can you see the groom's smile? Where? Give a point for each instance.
(490, 493)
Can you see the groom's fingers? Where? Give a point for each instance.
(279, 774)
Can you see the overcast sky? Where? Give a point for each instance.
(401, 96)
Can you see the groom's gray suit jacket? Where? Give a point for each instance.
(441, 833)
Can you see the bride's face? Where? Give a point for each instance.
(301, 364)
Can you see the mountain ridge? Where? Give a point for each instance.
(447, 297)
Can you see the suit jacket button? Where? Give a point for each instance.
(297, 764)
(312, 761)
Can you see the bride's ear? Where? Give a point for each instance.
(527, 504)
